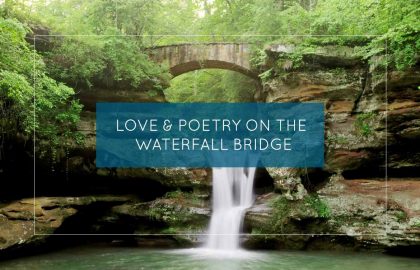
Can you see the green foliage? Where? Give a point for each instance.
(296, 57)
(168, 213)
(180, 197)
(338, 72)
(170, 230)
(15, 96)
(128, 62)
(141, 23)
(319, 206)
(338, 139)
(388, 21)
(175, 215)
(281, 211)
(364, 123)
(173, 210)
(401, 215)
(25, 90)
(211, 86)
(75, 62)
(15, 54)
(110, 59)
(266, 75)
(404, 45)
(115, 58)
(258, 57)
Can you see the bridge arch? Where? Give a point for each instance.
(202, 64)
(182, 58)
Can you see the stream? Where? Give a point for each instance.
(106, 257)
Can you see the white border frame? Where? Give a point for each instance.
(385, 234)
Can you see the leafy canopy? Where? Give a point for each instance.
(211, 85)
(25, 90)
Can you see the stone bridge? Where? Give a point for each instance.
(182, 58)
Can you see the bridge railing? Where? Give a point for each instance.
(166, 40)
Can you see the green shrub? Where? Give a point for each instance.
(29, 99)
(364, 123)
(319, 206)
(401, 216)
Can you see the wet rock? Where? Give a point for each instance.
(182, 178)
(276, 222)
(27, 223)
(322, 86)
(177, 212)
(411, 133)
(287, 181)
(361, 208)
(359, 217)
(346, 160)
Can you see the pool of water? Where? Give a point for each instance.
(99, 257)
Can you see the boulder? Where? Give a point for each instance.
(27, 223)
(287, 181)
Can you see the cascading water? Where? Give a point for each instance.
(232, 195)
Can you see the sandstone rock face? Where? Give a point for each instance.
(376, 211)
(28, 222)
(177, 214)
(288, 182)
(365, 112)
(357, 214)
(339, 89)
(360, 119)
(167, 209)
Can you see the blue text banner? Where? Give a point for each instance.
(209, 135)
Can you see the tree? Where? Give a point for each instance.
(29, 99)
(211, 85)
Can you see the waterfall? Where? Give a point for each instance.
(232, 195)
